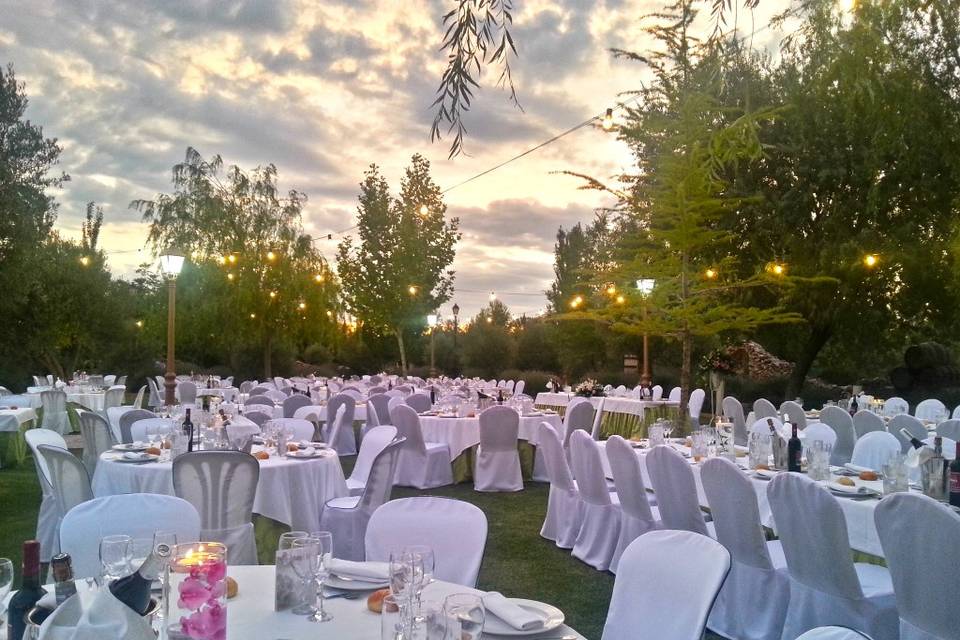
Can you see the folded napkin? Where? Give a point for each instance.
(857, 468)
(134, 455)
(367, 571)
(842, 488)
(514, 615)
(309, 451)
(104, 617)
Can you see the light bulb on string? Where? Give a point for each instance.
(412, 290)
(493, 296)
(710, 274)
(302, 306)
(621, 299)
(871, 260)
(607, 122)
(271, 256)
(424, 210)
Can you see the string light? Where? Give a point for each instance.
(232, 258)
(222, 260)
(871, 260)
(576, 302)
(253, 316)
(329, 313)
(608, 120)
(710, 274)
(777, 268)
(318, 278)
(85, 261)
(611, 289)
(271, 256)
(273, 294)
(493, 296)
(424, 210)
(139, 324)
(302, 306)
(489, 319)
(621, 299)
(230, 277)
(412, 290)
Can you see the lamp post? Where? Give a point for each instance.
(645, 285)
(171, 263)
(456, 324)
(432, 320)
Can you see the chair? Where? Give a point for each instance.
(819, 431)
(420, 402)
(833, 633)
(667, 583)
(895, 406)
(374, 442)
(637, 517)
(695, 404)
(113, 397)
(874, 449)
(187, 391)
(921, 543)
(866, 422)
(276, 395)
(300, 430)
(262, 408)
(381, 405)
(127, 420)
(138, 401)
(54, 402)
(597, 540)
(763, 408)
(930, 409)
(347, 518)
(520, 386)
(913, 426)
(674, 395)
(294, 402)
(795, 413)
(139, 429)
(247, 385)
(47, 517)
(68, 479)
(138, 515)
(155, 399)
(676, 489)
(842, 424)
(579, 416)
(259, 418)
(758, 570)
(733, 410)
(221, 485)
(346, 442)
(422, 464)
(97, 438)
(456, 530)
(826, 586)
(656, 393)
(564, 505)
(949, 429)
(260, 399)
(497, 466)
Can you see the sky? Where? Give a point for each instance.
(322, 90)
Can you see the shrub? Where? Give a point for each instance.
(536, 381)
(317, 354)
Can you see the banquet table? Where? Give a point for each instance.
(14, 422)
(461, 434)
(289, 491)
(858, 512)
(92, 400)
(627, 417)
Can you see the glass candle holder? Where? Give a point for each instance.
(197, 586)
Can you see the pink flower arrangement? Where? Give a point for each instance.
(202, 592)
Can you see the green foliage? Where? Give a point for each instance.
(487, 349)
(536, 381)
(537, 348)
(578, 254)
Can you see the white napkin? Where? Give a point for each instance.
(368, 571)
(104, 617)
(842, 488)
(514, 615)
(309, 451)
(135, 455)
(856, 468)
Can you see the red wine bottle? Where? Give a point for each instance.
(29, 594)
(955, 479)
(134, 590)
(188, 430)
(915, 442)
(794, 451)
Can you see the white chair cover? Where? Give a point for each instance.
(138, 401)
(96, 438)
(347, 518)
(221, 485)
(55, 416)
(579, 419)
(674, 395)
(238, 433)
(68, 478)
(381, 404)
(842, 424)
(676, 489)
(138, 515)
(833, 633)
(420, 402)
(911, 424)
(261, 400)
(949, 429)
(758, 570)
(666, 585)
(895, 406)
(346, 442)
(873, 449)
(423, 465)
(300, 430)
(375, 441)
(930, 409)
(921, 543)
(564, 506)
(497, 466)
(294, 402)
(763, 408)
(113, 397)
(597, 540)
(826, 587)
(819, 431)
(138, 430)
(733, 410)
(247, 385)
(695, 404)
(155, 400)
(636, 515)
(373, 420)
(455, 530)
(127, 420)
(597, 420)
(48, 517)
(866, 422)
(187, 392)
(258, 417)
(276, 395)
(795, 412)
(520, 386)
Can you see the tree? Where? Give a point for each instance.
(487, 346)
(398, 272)
(258, 274)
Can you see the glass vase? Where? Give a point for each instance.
(198, 592)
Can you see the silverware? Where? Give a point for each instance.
(346, 595)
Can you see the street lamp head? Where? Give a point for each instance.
(645, 285)
(171, 263)
(456, 310)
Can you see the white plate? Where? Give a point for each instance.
(149, 457)
(301, 455)
(130, 447)
(552, 618)
(352, 584)
(764, 474)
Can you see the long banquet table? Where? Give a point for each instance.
(461, 434)
(14, 422)
(627, 417)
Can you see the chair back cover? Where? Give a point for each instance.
(695, 403)
(342, 399)
(833, 633)
(379, 480)
(260, 399)
(733, 409)
(674, 395)
(666, 584)
(519, 387)
(873, 449)
(588, 469)
(138, 515)
(657, 392)
(381, 404)
(736, 515)
(911, 424)
(127, 420)
(579, 416)
(138, 401)
(763, 408)
(895, 406)
(676, 489)
(221, 485)
(187, 392)
(866, 422)
(841, 422)
(294, 402)
(930, 409)
(68, 477)
(113, 397)
(456, 530)
(155, 399)
(819, 431)
(557, 468)
(817, 556)
(373, 420)
(795, 412)
(499, 429)
(921, 544)
(373, 443)
(300, 430)
(407, 422)
(55, 417)
(96, 438)
(420, 402)
(138, 430)
(247, 385)
(258, 417)
(949, 429)
(628, 479)
(35, 438)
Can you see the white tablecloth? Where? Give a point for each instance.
(290, 491)
(250, 616)
(611, 404)
(462, 433)
(359, 412)
(31, 400)
(90, 400)
(11, 419)
(861, 529)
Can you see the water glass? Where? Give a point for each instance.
(429, 622)
(758, 449)
(115, 556)
(391, 620)
(427, 559)
(406, 576)
(895, 474)
(699, 449)
(320, 568)
(656, 434)
(464, 615)
(818, 460)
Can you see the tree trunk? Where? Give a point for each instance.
(819, 336)
(268, 356)
(403, 351)
(685, 376)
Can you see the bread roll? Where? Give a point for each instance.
(261, 455)
(845, 481)
(375, 600)
(154, 451)
(869, 475)
(232, 588)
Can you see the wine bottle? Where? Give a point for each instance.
(854, 407)
(914, 441)
(62, 570)
(188, 431)
(134, 590)
(776, 445)
(28, 595)
(794, 451)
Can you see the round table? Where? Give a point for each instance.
(290, 491)
(461, 434)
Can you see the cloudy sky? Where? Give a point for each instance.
(323, 89)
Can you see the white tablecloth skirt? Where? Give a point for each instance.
(290, 491)
(610, 405)
(462, 433)
(11, 419)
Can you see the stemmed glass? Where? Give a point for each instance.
(6, 581)
(320, 569)
(302, 554)
(465, 615)
(406, 582)
(115, 556)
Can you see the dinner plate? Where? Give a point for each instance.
(764, 474)
(147, 457)
(130, 447)
(303, 455)
(850, 492)
(353, 584)
(552, 618)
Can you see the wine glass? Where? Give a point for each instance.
(302, 556)
(6, 581)
(406, 575)
(115, 556)
(320, 568)
(427, 559)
